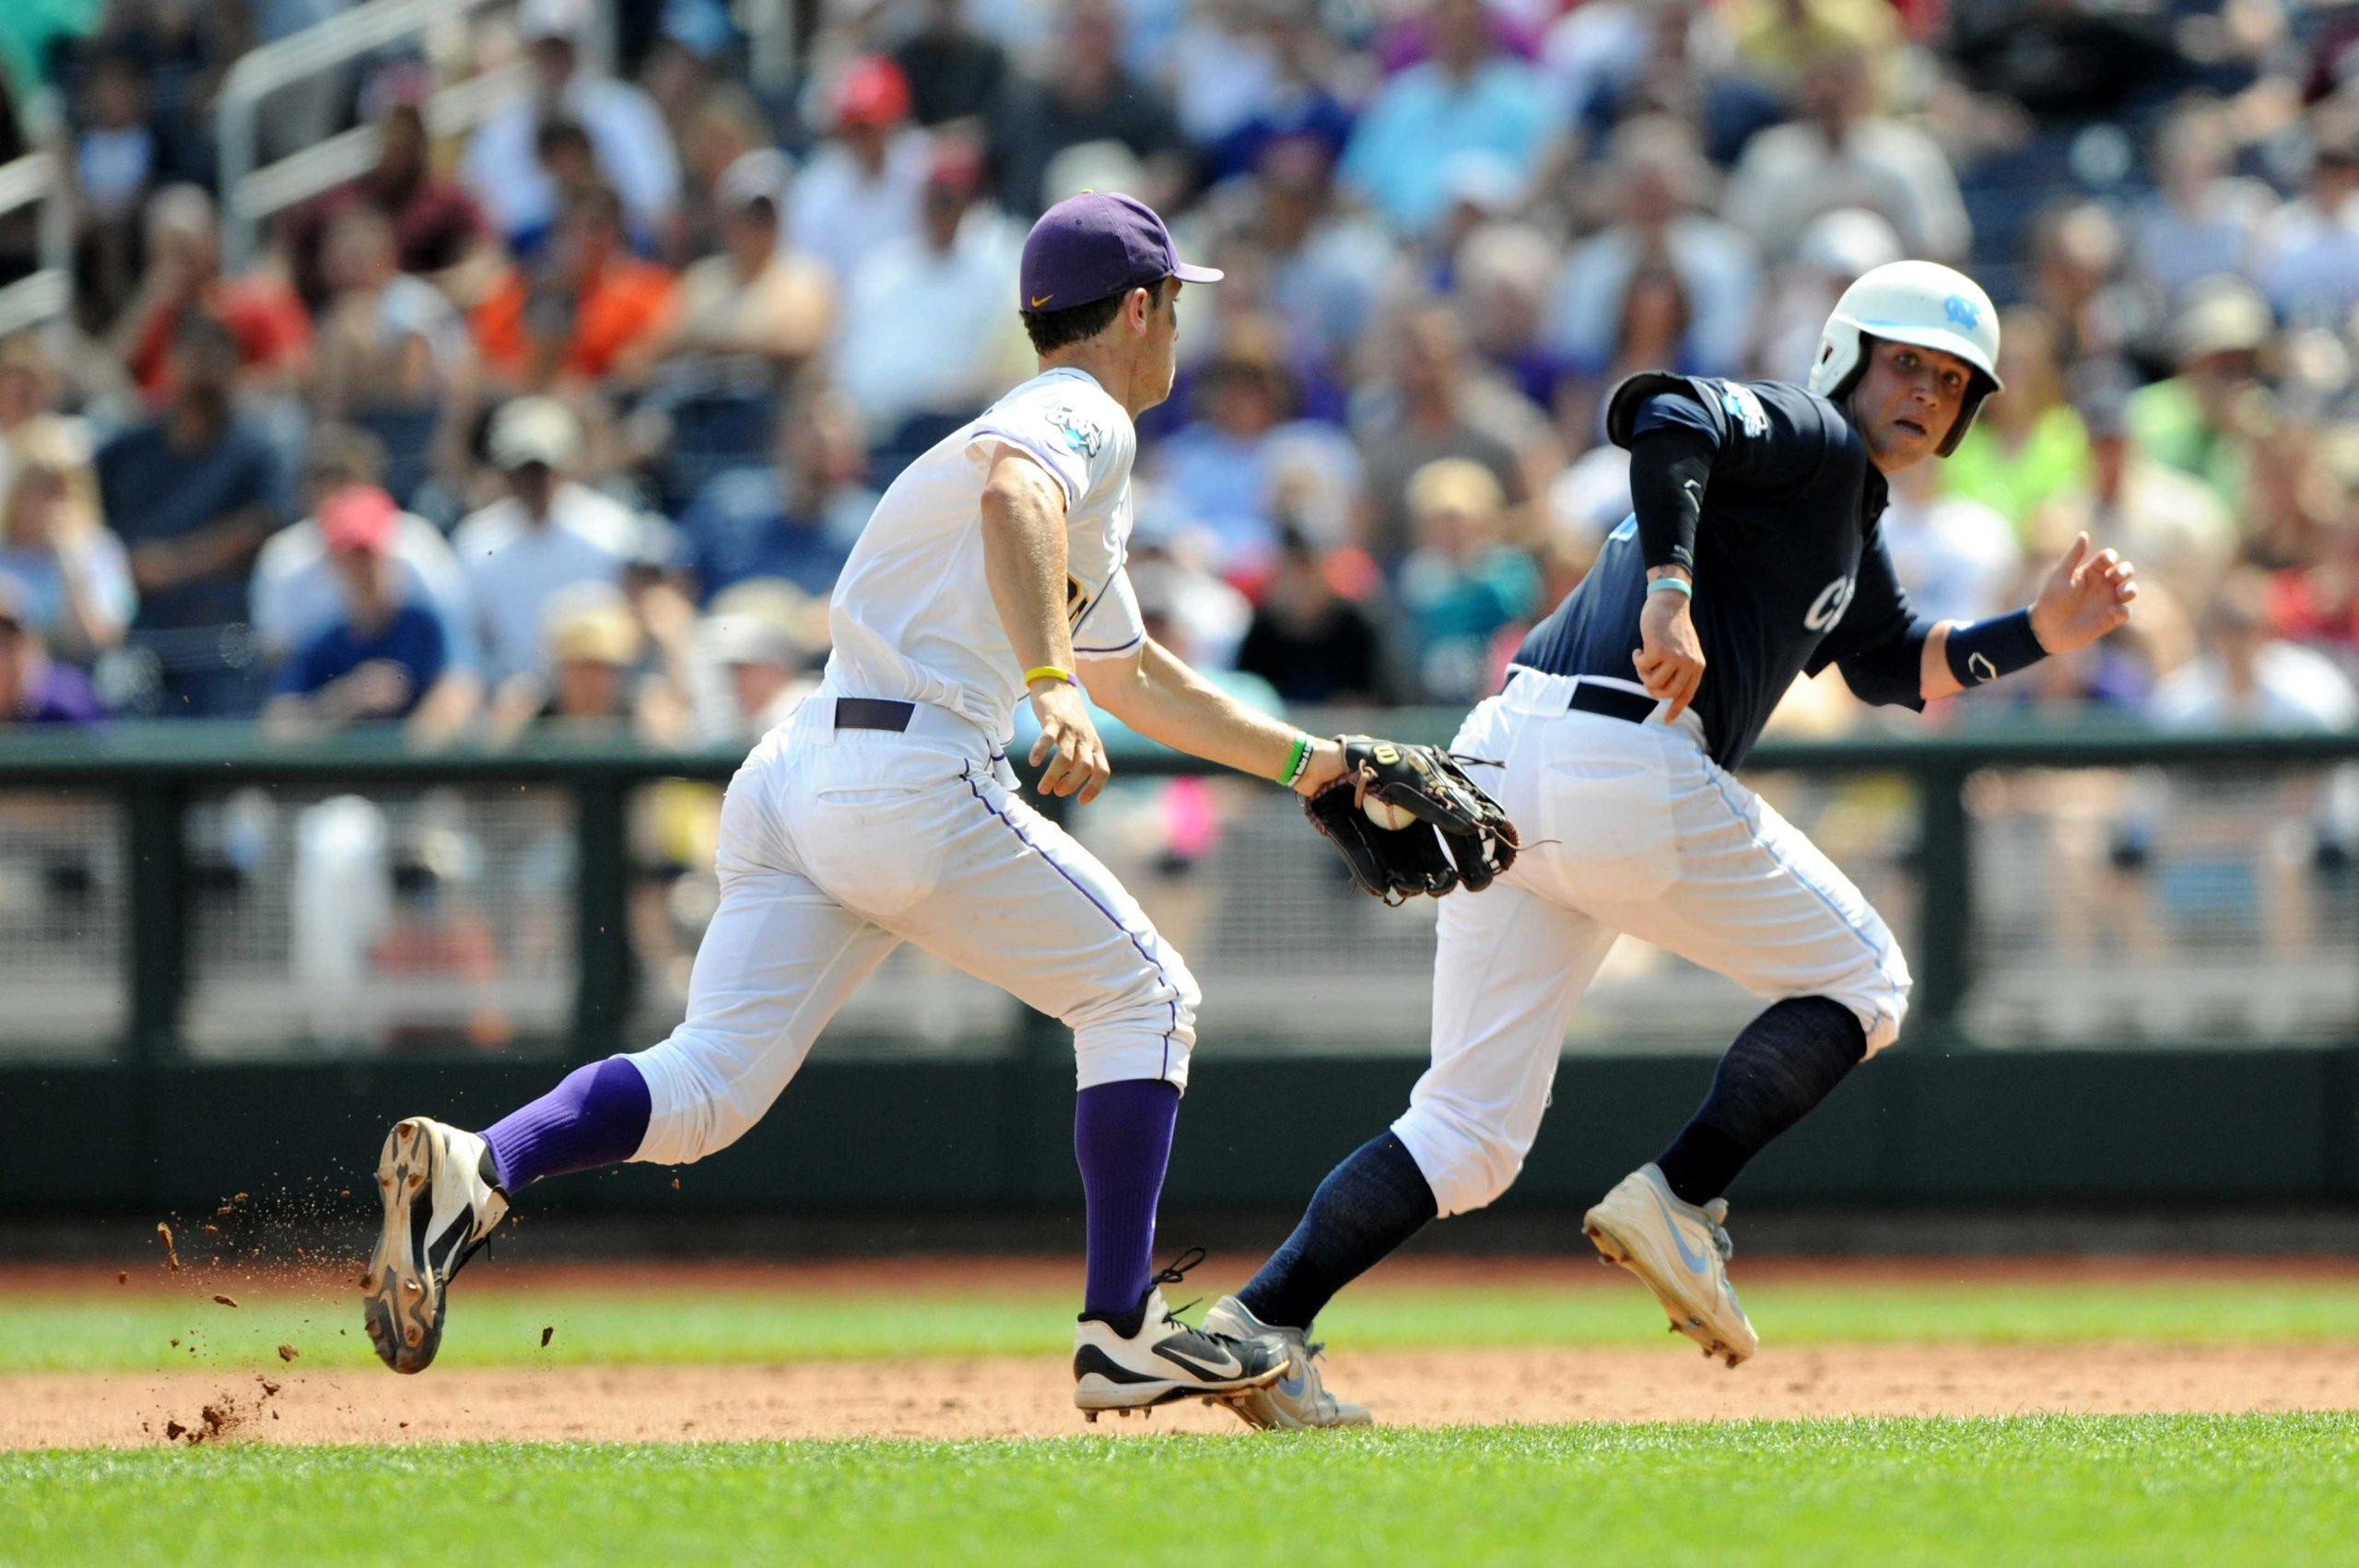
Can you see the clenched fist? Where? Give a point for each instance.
(1671, 656)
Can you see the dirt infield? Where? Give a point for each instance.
(1030, 1397)
(1009, 1398)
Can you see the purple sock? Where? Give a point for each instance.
(597, 1117)
(1121, 1139)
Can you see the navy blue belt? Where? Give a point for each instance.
(874, 713)
(1612, 701)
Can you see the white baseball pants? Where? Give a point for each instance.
(1628, 829)
(839, 845)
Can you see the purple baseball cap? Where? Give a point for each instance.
(1096, 244)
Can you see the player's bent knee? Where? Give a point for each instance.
(693, 1111)
(1880, 996)
(1146, 1030)
(1467, 1166)
(1118, 1054)
(1482, 1181)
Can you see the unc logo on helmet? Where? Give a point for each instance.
(1828, 607)
(1961, 311)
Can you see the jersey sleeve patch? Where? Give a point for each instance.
(1742, 405)
(1078, 430)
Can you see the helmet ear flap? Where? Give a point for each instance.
(1968, 406)
(1837, 371)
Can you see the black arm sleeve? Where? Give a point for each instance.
(1669, 468)
(1880, 642)
(1759, 433)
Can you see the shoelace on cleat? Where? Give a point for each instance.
(1177, 1270)
(1715, 1214)
(1172, 1273)
(481, 1244)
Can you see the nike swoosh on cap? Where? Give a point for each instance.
(1042, 301)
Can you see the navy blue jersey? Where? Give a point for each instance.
(1791, 573)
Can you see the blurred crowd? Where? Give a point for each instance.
(570, 415)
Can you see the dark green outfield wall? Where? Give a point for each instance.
(1935, 1122)
(1916, 1127)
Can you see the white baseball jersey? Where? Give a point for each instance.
(912, 615)
(840, 840)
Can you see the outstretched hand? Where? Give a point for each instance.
(2085, 597)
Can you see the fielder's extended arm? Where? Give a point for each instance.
(1156, 694)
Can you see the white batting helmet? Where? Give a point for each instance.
(1920, 302)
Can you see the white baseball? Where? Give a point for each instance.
(1383, 815)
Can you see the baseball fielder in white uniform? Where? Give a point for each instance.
(884, 810)
(1752, 555)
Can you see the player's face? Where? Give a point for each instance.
(1906, 399)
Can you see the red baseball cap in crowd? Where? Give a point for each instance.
(358, 516)
(871, 91)
(956, 165)
(1096, 244)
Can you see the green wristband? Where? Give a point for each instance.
(1296, 761)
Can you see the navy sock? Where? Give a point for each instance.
(596, 1117)
(1122, 1140)
(1367, 1206)
(1786, 1062)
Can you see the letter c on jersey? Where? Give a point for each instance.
(1828, 607)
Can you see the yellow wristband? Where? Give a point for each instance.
(1048, 672)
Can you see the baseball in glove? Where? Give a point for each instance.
(1460, 838)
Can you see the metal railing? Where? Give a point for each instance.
(40, 178)
(1953, 885)
(252, 192)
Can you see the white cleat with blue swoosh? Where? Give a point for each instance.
(1299, 1397)
(1681, 1253)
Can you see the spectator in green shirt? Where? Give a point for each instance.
(2029, 446)
(2200, 420)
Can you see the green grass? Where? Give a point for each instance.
(97, 1331)
(2063, 1490)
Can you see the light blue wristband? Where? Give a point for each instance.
(1671, 585)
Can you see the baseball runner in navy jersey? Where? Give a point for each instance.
(1752, 555)
(884, 810)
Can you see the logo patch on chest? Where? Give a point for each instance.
(1828, 607)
